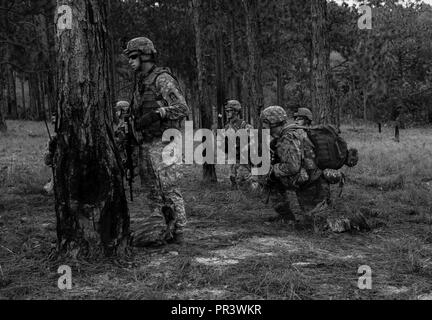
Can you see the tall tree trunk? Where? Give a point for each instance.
(32, 100)
(91, 206)
(365, 96)
(50, 78)
(254, 58)
(42, 113)
(12, 106)
(220, 77)
(320, 92)
(209, 170)
(279, 86)
(24, 113)
(3, 126)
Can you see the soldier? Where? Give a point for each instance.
(120, 126)
(158, 104)
(294, 166)
(238, 172)
(49, 159)
(303, 117)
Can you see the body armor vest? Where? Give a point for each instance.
(148, 98)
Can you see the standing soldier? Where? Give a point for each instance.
(157, 104)
(237, 171)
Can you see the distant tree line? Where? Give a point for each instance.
(260, 52)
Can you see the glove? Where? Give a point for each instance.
(147, 120)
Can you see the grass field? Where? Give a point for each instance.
(230, 253)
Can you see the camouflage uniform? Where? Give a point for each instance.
(239, 173)
(158, 91)
(49, 161)
(294, 167)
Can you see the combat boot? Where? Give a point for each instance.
(177, 238)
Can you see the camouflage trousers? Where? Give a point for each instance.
(305, 199)
(159, 183)
(240, 174)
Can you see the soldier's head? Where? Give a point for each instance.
(141, 54)
(303, 117)
(122, 108)
(232, 109)
(274, 118)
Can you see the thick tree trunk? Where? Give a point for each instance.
(320, 92)
(254, 58)
(209, 170)
(91, 206)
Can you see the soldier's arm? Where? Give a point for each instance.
(170, 90)
(290, 155)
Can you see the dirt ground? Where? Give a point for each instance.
(230, 252)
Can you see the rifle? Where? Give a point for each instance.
(130, 141)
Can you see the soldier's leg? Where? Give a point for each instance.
(282, 206)
(315, 193)
(167, 175)
(152, 229)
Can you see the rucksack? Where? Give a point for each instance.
(331, 149)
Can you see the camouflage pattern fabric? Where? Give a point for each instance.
(239, 173)
(312, 194)
(296, 159)
(158, 180)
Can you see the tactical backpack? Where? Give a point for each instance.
(331, 149)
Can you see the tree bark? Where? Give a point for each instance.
(254, 57)
(34, 96)
(12, 106)
(3, 126)
(209, 170)
(220, 77)
(91, 205)
(320, 92)
(50, 79)
(24, 113)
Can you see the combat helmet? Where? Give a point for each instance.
(304, 112)
(140, 44)
(122, 105)
(233, 105)
(274, 115)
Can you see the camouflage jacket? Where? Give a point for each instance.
(295, 156)
(238, 124)
(157, 89)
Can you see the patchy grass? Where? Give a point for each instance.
(230, 252)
